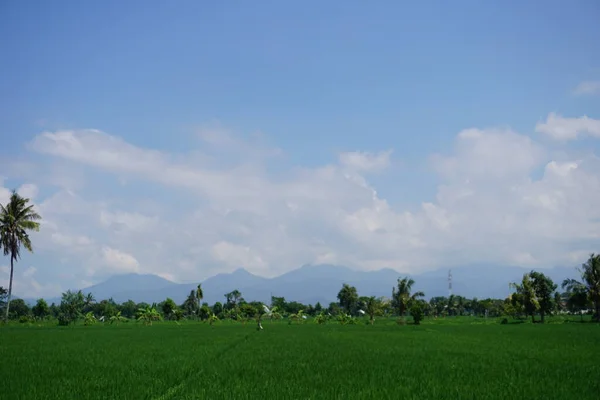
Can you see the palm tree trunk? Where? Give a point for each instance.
(9, 287)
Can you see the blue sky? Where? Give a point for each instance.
(270, 135)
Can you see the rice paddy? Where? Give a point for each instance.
(193, 360)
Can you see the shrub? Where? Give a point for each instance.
(64, 319)
(417, 313)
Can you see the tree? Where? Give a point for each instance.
(16, 218)
(3, 294)
(128, 309)
(348, 298)
(590, 282)
(416, 311)
(19, 309)
(199, 295)
(71, 306)
(190, 305)
(233, 298)
(558, 303)
(401, 296)
(148, 314)
(373, 307)
(217, 308)
(526, 296)
(40, 310)
(544, 289)
(168, 307)
(115, 319)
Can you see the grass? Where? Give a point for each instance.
(233, 361)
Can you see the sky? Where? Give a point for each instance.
(193, 138)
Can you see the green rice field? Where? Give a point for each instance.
(301, 361)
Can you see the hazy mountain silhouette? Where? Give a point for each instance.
(319, 283)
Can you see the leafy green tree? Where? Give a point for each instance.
(217, 308)
(19, 309)
(148, 315)
(278, 302)
(117, 318)
(3, 295)
(558, 303)
(544, 291)
(373, 307)
(232, 299)
(526, 296)
(16, 218)
(168, 307)
(128, 309)
(41, 309)
(318, 308)
(402, 297)
(71, 306)
(89, 318)
(190, 305)
(416, 311)
(204, 312)
(590, 282)
(348, 298)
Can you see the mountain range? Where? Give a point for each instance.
(318, 283)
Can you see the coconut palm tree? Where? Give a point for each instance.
(16, 218)
(590, 276)
(402, 296)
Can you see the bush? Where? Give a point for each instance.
(64, 319)
(504, 321)
(417, 313)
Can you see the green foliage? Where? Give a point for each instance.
(16, 218)
(416, 311)
(148, 315)
(71, 305)
(402, 298)
(89, 319)
(348, 298)
(117, 318)
(41, 309)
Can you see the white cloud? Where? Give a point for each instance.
(587, 88)
(364, 161)
(119, 261)
(206, 217)
(561, 128)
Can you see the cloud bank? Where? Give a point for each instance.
(110, 207)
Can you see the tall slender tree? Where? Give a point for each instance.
(16, 218)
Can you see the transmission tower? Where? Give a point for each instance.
(449, 282)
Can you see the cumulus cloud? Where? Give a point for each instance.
(587, 88)
(189, 216)
(561, 128)
(119, 261)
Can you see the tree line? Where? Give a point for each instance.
(535, 295)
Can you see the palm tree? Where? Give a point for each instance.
(402, 297)
(16, 218)
(199, 295)
(590, 275)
